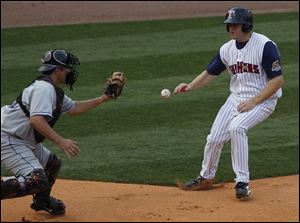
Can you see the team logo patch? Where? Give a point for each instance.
(276, 66)
(231, 14)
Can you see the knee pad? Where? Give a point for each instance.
(52, 168)
(35, 182)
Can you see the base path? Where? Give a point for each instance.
(272, 200)
(42, 13)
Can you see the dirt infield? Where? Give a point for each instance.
(274, 199)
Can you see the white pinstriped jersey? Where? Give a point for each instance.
(248, 77)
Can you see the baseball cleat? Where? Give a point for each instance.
(242, 190)
(52, 205)
(199, 183)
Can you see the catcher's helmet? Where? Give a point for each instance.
(60, 58)
(238, 15)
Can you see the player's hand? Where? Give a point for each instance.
(246, 105)
(69, 147)
(181, 88)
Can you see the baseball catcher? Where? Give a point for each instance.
(30, 119)
(115, 84)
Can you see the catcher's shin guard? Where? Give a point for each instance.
(34, 183)
(43, 200)
(52, 169)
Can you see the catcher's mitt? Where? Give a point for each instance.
(115, 84)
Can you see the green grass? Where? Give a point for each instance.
(140, 137)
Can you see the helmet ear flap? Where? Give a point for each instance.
(244, 28)
(247, 28)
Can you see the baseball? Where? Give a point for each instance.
(165, 93)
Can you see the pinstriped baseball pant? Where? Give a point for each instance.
(232, 125)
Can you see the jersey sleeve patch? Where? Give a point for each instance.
(276, 66)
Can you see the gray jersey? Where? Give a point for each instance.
(39, 99)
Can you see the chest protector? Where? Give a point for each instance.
(55, 113)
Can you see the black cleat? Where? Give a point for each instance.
(199, 183)
(242, 190)
(52, 205)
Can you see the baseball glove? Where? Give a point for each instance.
(115, 84)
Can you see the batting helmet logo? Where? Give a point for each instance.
(231, 14)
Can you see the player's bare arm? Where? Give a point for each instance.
(113, 90)
(67, 145)
(200, 81)
(87, 105)
(272, 86)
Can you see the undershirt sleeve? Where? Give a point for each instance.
(271, 60)
(216, 66)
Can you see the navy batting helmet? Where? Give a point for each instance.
(60, 58)
(239, 15)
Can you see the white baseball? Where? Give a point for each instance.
(165, 93)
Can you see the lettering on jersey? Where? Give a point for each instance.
(276, 66)
(241, 67)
